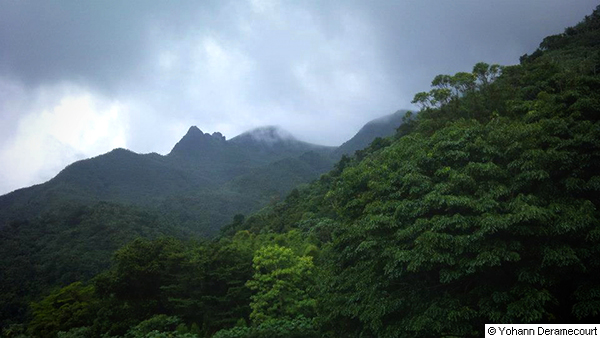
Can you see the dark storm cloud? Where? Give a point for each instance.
(79, 77)
(421, 39)
(103, 42)
(98, 42)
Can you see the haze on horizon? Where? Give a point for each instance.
(78, 79)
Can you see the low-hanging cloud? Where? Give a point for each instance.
(137, 74)
(72, 128)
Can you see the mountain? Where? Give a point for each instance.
(210, 153)
(259, 164)
(381, 127)
(202, 182)
(213, 157)
(120, 176)
(196, 169)
(275, 142)
(194, 190)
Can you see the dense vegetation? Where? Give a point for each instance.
(67, 229)
(72, 243)
(484, 207)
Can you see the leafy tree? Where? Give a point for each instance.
(209, 288)
(69, 307)
(79, 332)
(299, 327)
(157, 326)
(282, 282)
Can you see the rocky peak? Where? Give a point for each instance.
(195, 141)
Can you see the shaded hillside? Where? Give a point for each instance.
(278, 178)
(70, 243)
(118, 176)
(381, 127)
(213, 157)
(188, 183)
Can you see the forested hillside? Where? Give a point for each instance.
(482, 208)
(68, 228)
(382, 127)
(189, 183)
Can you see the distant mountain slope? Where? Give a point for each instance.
(188, 183)
(201, 183)
(278, 178)
(120, 176)
(213, 157)
(381, 127)
(272, 141)
(123, 175)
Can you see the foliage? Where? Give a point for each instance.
(282, 282)
(299, 327)
(69, 244)
(68, 307)
(80, 332)
(157, 326)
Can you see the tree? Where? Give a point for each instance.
(69, 307)
(282, 282)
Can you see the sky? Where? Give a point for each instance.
(80, 78)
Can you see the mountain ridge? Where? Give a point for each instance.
(379, 127)
(209, 168)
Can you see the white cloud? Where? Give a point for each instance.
(79, 125)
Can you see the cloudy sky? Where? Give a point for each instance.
(79, 78)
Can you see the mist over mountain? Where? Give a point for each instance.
(275, 141)
(203, 181)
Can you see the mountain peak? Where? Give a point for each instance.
(267, 135)
(218, 136)
(196, 141)
(194, 133)
(194, 130)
